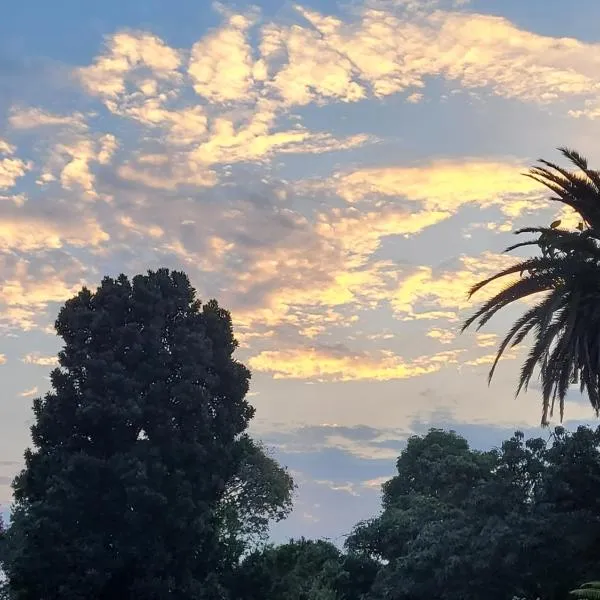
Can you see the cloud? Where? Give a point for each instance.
(28, 288)
(445, 186)
(167, 172)
(235, 121)
(360, 231)
(127, 52)
(356, 442)
(377, 482)
(393, 50)
(338, 486)
(443, 335)
(77, 158)
(35, 358)
(375, 52)
(485, 340)
(221, 64)
(333, 364)
(11, 167)
(5, 147)
(29, 232)
(29, 393)
(312, 270)
(313, 71)
(32, 118)
(488, 359)
(432, 294)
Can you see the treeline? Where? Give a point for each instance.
(143, 483)
(521, 521)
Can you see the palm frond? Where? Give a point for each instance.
(589, 591)
(565, 323)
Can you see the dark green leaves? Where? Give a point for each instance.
(457, 524)
(141, 482)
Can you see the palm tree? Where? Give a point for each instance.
(589, 590)
(565, 321)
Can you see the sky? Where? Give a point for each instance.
(337, 175)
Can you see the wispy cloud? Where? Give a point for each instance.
(32, 118)
(29, 393)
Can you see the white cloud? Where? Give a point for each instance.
(11, 167)
(31, 118)
(393, 51)
(126, 52)
(72, 162)
(29, 393)
(35, 358)
(221, 64)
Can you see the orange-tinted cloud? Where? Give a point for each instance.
(125, 53)
(35, 358)
(30, 392)
(395, 50)
(28, 233)
(331, 365)
(427, 294)
(445, 185)
(221, 64)
(27, 291)
(11, 167)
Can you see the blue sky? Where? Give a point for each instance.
(337, 175)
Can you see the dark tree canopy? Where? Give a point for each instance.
(139, 466)
(521, 521)
(304, 570)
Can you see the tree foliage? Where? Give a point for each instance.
(304, 570)
(565, 321)
(141, 482)
(495, 525)
(258, 494)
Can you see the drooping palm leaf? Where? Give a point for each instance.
(590, 591)
(565, 321)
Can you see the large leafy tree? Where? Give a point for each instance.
(565, 272)
(519, 521)
(135, 484)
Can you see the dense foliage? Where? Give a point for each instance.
(458, 524)
(304, 570)
(142, 482)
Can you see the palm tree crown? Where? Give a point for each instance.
(565, 321)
